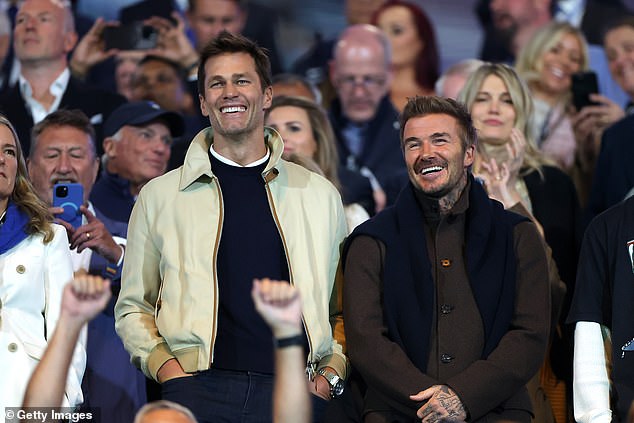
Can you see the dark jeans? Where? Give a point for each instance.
(216, 396)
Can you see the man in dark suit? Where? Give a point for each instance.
(63, 149)
(45, 83)
(363, 117)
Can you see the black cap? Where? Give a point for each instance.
(141, 112)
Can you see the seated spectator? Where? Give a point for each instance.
(306, 132)
(363, 118)
(564, 134)
(45, 82)
(613, 174)
(63, 149)
(314, 64)
(415, 58)
(453, 79)
(137, 142)
(515, 173)
(547, 63)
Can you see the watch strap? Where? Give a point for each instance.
(297, 340)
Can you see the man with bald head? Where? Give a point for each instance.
(43, 36)
(364, 119)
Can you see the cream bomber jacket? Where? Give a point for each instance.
(168, 303)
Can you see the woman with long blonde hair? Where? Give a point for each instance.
(35, 265)
(515, 172)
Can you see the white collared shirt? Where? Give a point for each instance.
(232, 163)
(57, 88)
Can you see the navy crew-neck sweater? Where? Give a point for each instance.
(250, 247)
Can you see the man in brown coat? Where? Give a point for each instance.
(446, 294)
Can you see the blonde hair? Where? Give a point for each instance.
(529, 60)
(326, 155)
(522, 103)
(24, 196)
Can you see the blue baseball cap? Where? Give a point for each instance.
(141, 112)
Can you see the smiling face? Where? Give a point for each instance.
(619, 49)
(62, 153)
(493, 112)
(398, 24)
(8, 165)
(42, 32)
(558, 63)
(233, 97)
(435, 157)
(294, 126)
(141, 153)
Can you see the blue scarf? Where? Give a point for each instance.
(13, 230)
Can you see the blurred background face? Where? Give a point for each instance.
(294, 126)
(493, 112)
(361, 11)
(126, 65)
(41, 31)
(398, 24)
(558, 63)
(210, 17)
(619, 49)
(361, 78)
(157, 81)
(62, 153)
(508, 15)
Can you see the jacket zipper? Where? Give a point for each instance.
(215, 273)
(310, 368)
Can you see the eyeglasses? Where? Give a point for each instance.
(368, 82)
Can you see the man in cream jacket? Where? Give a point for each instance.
(201, 234)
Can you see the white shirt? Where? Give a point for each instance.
(232, 163)
(57, 88)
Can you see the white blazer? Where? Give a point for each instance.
(32, 277)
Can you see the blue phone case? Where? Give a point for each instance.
(69, 196)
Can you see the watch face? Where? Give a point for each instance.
(338, 388)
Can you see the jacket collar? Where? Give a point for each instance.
(197, 162)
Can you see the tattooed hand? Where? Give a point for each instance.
(443, 405)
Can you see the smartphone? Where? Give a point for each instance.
(584, 84)
(131, 36)
(69, 196)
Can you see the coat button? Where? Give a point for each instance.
(13, 347)
(446, 308)
(445, 263)
(20, 269)
(446, 358)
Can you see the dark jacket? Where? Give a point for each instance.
(97, 104)
(486, 371)
(381, 152)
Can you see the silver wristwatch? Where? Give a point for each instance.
(336, 383)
